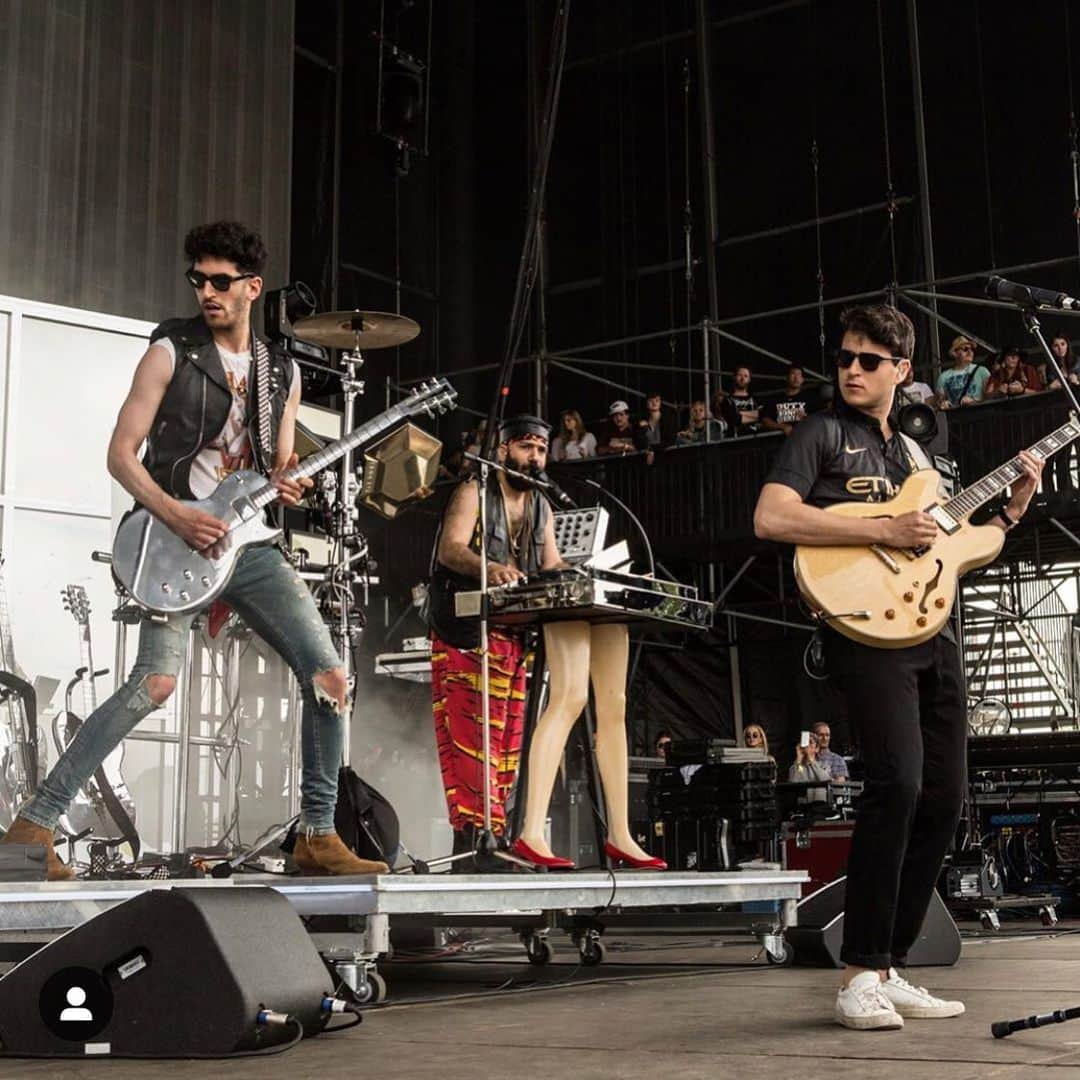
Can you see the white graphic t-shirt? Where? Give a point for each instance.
(231, 449)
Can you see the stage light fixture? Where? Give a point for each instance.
(400, 117)
(400, 470)
(284, 306)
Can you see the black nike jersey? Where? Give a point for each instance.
(842, 456)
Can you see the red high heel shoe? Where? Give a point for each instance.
(648, 863)
(552, 862)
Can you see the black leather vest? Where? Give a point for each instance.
(197, 403)
(446, 583)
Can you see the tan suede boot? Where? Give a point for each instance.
(28, 832)
(324, 853)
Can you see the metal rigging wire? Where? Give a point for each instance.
(985, 139)
(527, 266)
(668, 231)
(814, 162)
(1074, 152)
(891, 204)
(688, 217)
(820, 271)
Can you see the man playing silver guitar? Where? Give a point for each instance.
(209, 398)
(905, 704)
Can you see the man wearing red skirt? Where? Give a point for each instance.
(520, 541)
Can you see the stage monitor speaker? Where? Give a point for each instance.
(172, 972)
(817, 938)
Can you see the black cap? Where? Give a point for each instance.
(517, 427)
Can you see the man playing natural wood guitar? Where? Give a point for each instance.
(905, 704)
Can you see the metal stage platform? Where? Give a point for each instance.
(350, 918)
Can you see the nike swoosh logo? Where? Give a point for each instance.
(849, 450)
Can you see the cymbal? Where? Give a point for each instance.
(356, 329)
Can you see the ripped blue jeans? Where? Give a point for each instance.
(275, 602)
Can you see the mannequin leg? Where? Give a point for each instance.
(608, 666)
(567, 648)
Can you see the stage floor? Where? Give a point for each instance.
(670, 1008)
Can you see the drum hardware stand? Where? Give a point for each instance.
(346, 627)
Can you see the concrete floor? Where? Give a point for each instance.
(659, 1008)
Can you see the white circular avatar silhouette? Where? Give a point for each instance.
(76, 996)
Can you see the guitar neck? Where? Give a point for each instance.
(971, 498)
(329, 454)
(86, 659)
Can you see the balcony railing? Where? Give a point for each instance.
(697, 502)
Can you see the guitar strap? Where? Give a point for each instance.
(919, 459)
(264, 454)
(967, 384)
(917, 455)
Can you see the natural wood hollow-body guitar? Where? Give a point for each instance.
(891, 597)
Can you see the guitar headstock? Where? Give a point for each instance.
(77, 602)
(433, 398)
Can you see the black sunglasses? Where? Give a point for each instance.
(221, 282)
(868, 361)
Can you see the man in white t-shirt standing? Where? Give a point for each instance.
(197, 404)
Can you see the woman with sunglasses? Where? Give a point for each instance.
(905, 705)
(755, 738)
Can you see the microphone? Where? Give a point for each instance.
(555, 491)
(1029, 295)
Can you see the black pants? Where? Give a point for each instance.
(906, 710)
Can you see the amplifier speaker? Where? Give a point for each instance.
(172, 972)
(817, 938)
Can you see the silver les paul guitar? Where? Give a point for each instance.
(164, 574)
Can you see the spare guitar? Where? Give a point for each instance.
(106, 805)
(164, 574)
(893, 598)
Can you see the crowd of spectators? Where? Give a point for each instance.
(737, 410)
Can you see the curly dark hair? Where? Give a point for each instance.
(883, 325)
(227, 240)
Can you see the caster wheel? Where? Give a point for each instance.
(592, 952)
(372, 990)
(784, 957)
(539, 951)
(1048, 916)
(990, 921)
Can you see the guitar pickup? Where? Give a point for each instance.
(243, 508)
(945, 521)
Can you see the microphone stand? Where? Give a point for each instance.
(486, 846)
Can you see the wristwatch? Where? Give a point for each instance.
(1010, 522)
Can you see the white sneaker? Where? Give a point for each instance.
(863, 1006)
(915, 1002)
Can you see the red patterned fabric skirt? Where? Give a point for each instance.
(458, 711)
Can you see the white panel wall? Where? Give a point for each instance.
(63, 375)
